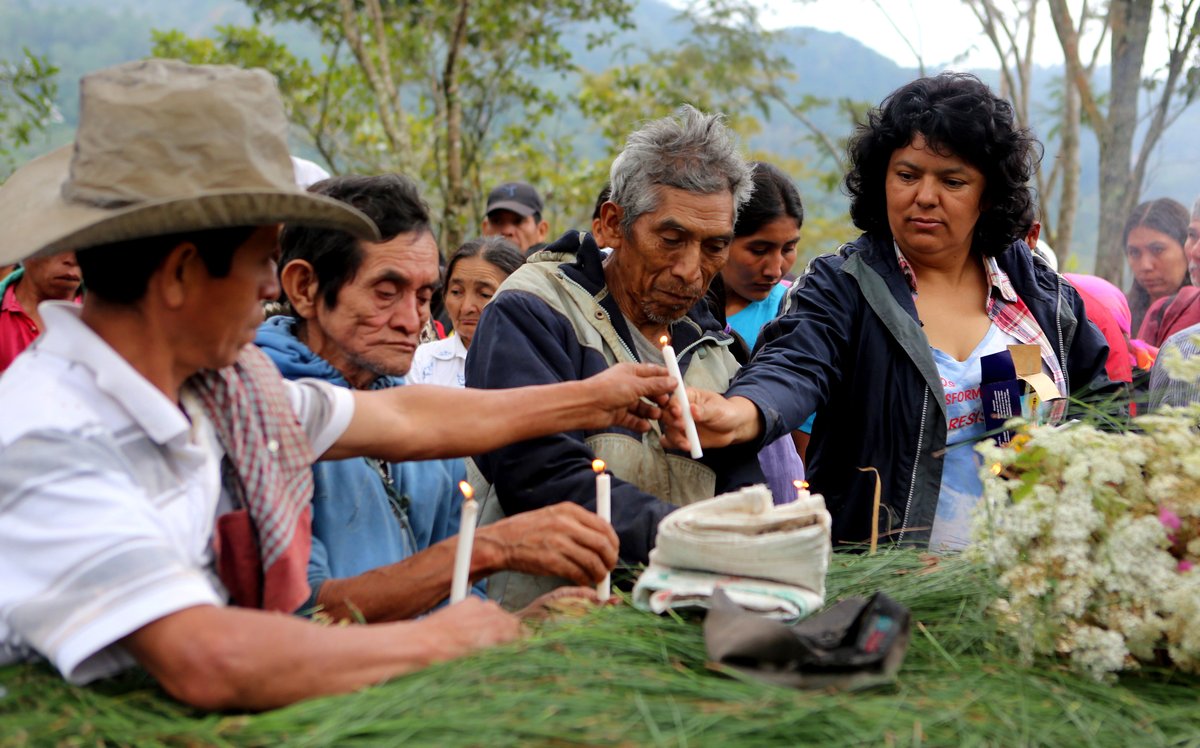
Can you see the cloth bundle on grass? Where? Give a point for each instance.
(768, 559)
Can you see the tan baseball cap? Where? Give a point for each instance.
(164, 147)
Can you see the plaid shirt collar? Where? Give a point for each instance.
(998, 283)
(1006, 310)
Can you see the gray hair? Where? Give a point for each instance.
(690, 151)
(1196, 209)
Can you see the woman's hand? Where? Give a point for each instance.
(720, 421)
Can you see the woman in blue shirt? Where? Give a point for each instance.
(761, 254)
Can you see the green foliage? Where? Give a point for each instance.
(622, 677)
(520, 117)
(724, 64)
(74, 39)
(27, 91)
(387, 103)
(398, 89)
(728, 62)
(331, 108)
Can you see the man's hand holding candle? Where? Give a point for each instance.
(563, 540)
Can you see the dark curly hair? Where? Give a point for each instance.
(956, 114)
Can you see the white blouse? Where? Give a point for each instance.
(441, 362)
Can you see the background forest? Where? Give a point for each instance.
(463, 94)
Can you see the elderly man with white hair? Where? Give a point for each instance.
(573, 311)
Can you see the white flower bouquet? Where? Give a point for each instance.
(1095, 539)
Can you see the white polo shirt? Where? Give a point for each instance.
(108, 498)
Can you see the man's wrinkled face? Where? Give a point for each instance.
(375, 327)
(663, 266)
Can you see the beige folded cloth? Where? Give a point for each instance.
(745, 534)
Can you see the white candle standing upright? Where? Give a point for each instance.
(466, 539)
(604, 511)
(689, 425)
(801, 487)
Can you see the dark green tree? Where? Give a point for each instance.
(444, 90)
(727, 63)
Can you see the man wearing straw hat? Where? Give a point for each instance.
(152, 462)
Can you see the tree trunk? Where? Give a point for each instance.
(1068, 154)
(1119, 188)
(455, 204)
(379, 78)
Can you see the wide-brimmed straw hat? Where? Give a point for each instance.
(164, 147)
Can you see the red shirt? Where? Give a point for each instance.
(1169, 315)
(17, 329)
(1120, 363)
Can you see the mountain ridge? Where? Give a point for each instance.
(81, 35)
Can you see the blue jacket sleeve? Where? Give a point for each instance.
(800, 355)
(522, 341)
(447, 512)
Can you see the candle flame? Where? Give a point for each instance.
(467, 491)
(800, 484)
(664, 340)
(598, 466)
(996, 469)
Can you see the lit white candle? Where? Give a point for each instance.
(689, 425)
(604, 510)
(801, 488)
(466, 539)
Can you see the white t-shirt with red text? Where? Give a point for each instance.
(961, 487)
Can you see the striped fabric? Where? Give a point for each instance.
(1164, 390)
(272, 459)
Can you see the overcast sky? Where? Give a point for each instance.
(940, 30)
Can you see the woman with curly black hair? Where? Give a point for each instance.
(883, 339)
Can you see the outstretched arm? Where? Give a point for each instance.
(230, 658)
(799, 357)
(523, 340)
(422, 422)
